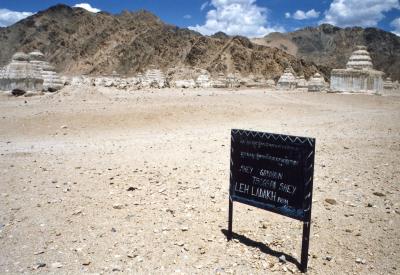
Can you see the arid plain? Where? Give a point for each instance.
(98, 180)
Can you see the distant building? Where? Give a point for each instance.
(359, 75)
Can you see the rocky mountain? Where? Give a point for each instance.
(79, 42)
(330, 46)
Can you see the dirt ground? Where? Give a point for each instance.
(105, 181)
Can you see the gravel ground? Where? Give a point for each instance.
(100, 181)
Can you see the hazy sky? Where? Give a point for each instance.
(245, 17)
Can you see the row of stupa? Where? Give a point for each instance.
(29, 72)
(155, 78)
(288, 81)
(359, 76)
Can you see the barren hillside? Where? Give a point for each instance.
(78, 41)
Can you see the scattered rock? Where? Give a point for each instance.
(39, 265)
(282, 259)
(132, 255)
(264, 225)
(328, 258)
(360, 261)
(86, 262)
(77, 212)
(131, 188)
(118, 206)
(18, 92)
(116, 269)
(331, 201)
(56, 265)
(379, 194)
(184, 228)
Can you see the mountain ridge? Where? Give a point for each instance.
(330, 46)
(79, 42)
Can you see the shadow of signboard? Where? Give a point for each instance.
(263, 247)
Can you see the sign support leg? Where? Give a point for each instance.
(305, 245)
(230, 219)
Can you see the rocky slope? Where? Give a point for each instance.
(331, 46)
(79, 42)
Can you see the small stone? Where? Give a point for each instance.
(292, 270)
(328, 258)
(264, 225)
(56, 265)
(360, 261)
(113, 230)
(132, 255)
(86, 262)
(282, 259)
(331, 201)
(64, 127)
(184, 228)
(77, 212)
(118, 206)
(131, 188)
(379, 194)
(39, 265)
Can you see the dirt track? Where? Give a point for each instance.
(68, 160)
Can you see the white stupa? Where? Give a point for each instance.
(20, 74)
(317, 83)
(287, 81)
(154, 78)
(51, 80)
(359, 75)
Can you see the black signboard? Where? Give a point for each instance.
(273, 172)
